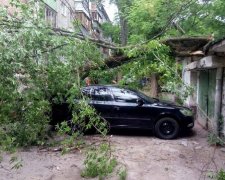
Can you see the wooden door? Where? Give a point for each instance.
(206, 92)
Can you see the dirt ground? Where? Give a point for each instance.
(145, 158)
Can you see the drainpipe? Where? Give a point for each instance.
(218, 100)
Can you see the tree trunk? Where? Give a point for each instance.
(123, 31)
(154, 85)
(122, 6)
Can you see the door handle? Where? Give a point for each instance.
(117, 108)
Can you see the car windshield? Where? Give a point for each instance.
(145, 97)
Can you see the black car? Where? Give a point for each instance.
(126, 108)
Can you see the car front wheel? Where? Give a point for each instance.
(167, 128)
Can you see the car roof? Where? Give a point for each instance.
(99, 86)
(108, 86)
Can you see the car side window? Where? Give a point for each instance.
(87, 92)
(101, 94)
(122, 95)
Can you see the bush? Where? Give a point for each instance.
(220, 175)
(28, 127)
(34, 67)
(99, 162)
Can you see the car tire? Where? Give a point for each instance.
(167, 128)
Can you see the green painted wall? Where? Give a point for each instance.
(207, 87)
(212, 92)
(203, 91)
(51, 3)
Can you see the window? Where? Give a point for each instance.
(101, 94)
(86, 23)
(63, 9)
(83, 19)
(86, 91)
(97, 94)
(50, 16)
(94, 15)
(122, 95)
(79, 16)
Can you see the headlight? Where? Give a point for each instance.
(186, 112)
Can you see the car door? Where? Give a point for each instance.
(102, 100)
(127, 111)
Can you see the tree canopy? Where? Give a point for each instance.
(40, 66)
(43, 64)
(143, 27)
(165, 18)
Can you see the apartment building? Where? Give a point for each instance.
(99, 16)
(91, 16)
(51, 12)
(83, 16)
(63, 14)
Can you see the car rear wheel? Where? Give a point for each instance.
(167, 128)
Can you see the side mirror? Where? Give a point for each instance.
(140, 102)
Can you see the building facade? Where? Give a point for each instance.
(51, 12)
(82, 16)
(68, 14)
(211, 86)
(203, 65)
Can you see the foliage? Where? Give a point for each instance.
(146, 19)
(177, 87)
(84, 119)
(206, 17)
(174, 18)
(16, 163)
(99, 162)
(40, 68)
(220, 175)
(37, 68)
(104, 76)
(123, 9)
(150, 58)
(214, 139)
(122, 174)
(111, 30)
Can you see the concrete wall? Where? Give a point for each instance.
(212, 117)
(65, 19)
(223, 101)
(189, 78)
